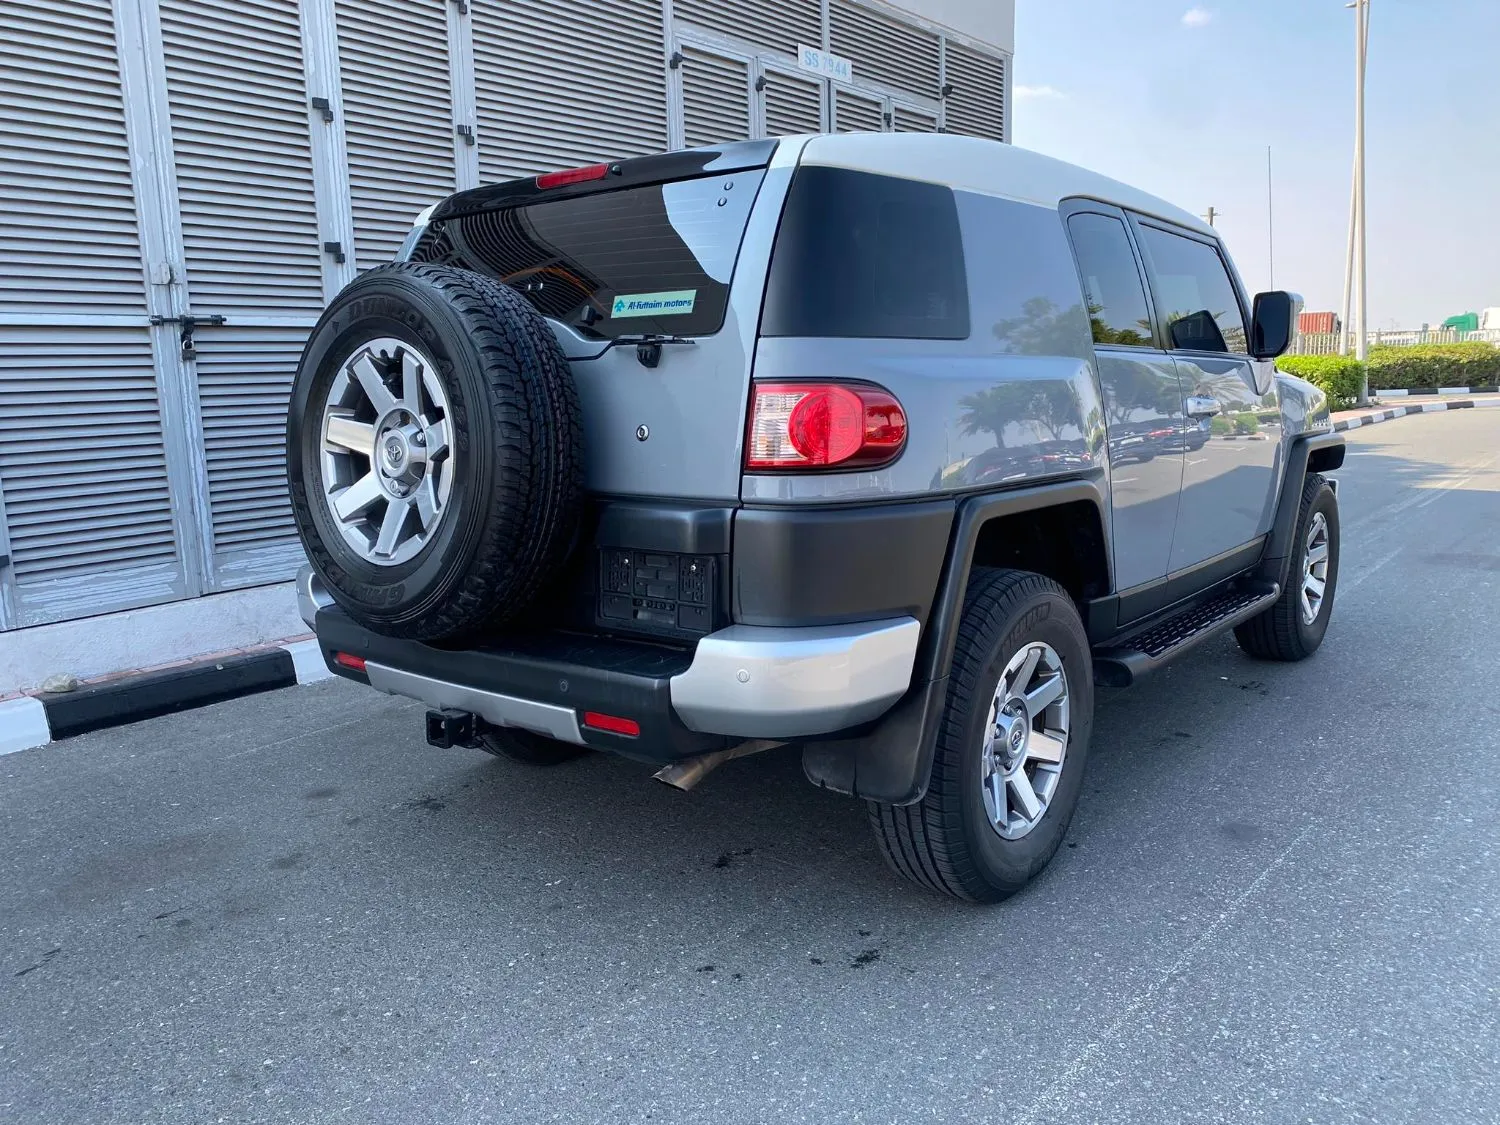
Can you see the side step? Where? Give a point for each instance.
(1122, 663)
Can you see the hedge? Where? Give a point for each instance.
(1398, 368)
(1474, 364)
(1337, 375)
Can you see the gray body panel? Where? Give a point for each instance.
(1304, 407)
(1016, 402)
(1147, 438)
(1229, 483)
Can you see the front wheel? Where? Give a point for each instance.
(1293, 628)
(1010, 754)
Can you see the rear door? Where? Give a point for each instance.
(675, 254)
(1143, 402)
(1229, 466)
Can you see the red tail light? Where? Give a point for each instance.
(349, 660)
(614, 724)
(820, 425)
(573, 176)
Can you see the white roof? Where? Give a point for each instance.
(985, 167)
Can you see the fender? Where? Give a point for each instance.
(890, 759)
(1314, 453)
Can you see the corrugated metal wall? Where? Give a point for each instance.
(237, 161)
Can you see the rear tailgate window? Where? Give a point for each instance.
(655, 258)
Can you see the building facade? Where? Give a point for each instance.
(185, 183)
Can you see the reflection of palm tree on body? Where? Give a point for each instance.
(1052, 405)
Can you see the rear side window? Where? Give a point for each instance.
(652, 259)
(1111, 281)
(1194, 295)
(860, 255)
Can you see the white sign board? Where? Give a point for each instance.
(824, 64)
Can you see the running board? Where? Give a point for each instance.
(1122, 663)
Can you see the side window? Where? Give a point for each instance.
(861, 255)
(1111, 282)
(1194, 295)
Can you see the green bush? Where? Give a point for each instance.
(1474, 364)
(1337, 375)
(1221, 426)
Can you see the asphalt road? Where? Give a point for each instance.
(1280, 900)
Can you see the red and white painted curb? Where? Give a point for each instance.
(1374, 418)
(27, 721)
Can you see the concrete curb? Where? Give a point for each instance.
(1435, 391)
(29, 721)
(1375, 418)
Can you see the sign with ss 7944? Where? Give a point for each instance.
(824, 63)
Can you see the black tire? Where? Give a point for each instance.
(516, 496)
(946, 842)
(533, 749)
(1280, 633)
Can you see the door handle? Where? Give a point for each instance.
(1201, 407)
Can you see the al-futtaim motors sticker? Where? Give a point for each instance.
(673, 302)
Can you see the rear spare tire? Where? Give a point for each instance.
(434, 456)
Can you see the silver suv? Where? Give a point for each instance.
(889, 446)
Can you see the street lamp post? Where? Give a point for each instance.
(1358, 241)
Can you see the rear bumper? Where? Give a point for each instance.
(742, 682)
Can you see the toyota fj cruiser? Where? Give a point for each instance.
(889, 446)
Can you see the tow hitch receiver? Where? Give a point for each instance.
(448, 728)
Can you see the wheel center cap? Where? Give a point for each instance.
(396, 453)
(1010, 746)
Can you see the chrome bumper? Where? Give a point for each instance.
(312, 595)
(745, 681)
(763, 682)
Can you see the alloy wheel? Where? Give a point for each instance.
(387, 451)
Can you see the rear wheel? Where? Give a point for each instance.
(533, 749)
(1293, 628)
(1011, 751)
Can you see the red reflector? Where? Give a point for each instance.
(349, 660)
(611, 723)
(819, 425)
(572, 176)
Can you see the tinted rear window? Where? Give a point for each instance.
(657, 258)
(867, 256)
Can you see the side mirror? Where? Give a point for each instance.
(1273, 324)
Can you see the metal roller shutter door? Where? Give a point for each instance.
(910, 119)
(782, 24)
(83, 473)
(977, 105)
(884, 49)
(557, 86)
(252, 250)
(398, 117)
(244, 381)
(793, 104)
(855, 113)
(715, 98)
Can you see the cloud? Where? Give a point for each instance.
(1025, 93)
(1197, 17)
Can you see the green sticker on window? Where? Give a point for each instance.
(674, 302)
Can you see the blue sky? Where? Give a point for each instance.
(1181, 99)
